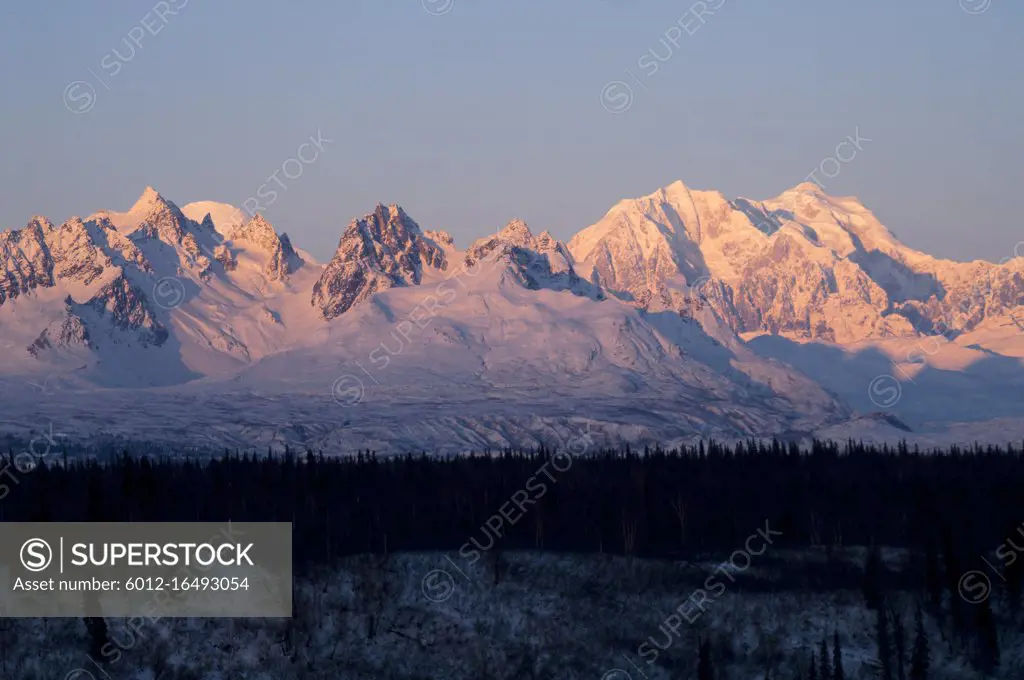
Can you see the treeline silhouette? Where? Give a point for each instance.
(655, 503)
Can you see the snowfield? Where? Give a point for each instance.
(679, 315)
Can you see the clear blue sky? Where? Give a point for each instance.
(493, 109)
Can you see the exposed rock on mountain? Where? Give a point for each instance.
(40, 255)
(804, 265)
(226, 258)
(638, 317)
(384, 249)
(118, 278)
(283, 260)
(534, 262)
(127, 309)
(70, 332)
(441, 238)
(25, 260)
(152, 217)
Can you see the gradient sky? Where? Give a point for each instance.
(493, 110)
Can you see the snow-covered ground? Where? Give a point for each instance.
(431, 615)
(960, 389)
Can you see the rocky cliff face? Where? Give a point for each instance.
(383, 249)
(127, 308)
(25, 259)
(40, 255)
(118, 312)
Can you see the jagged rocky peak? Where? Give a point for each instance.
(282, 258)
(441, 238)
(258, 230)
(152, 204)
(39, 225)
(75, 254)
(103, 223)
(114, 247)
(148, 201)
(395, 237)
(25, 260)
(515, 234)
(534, 262)
(40, 255)
(515, 241)
(555, 250)
(390, 241)
(546, 240)
(157, 218)
(381, 250)
(32, 236)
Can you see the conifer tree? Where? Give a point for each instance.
(1013, 577)
(953, 573)
(920, 660)
(837, 659)
(883, 642)
(900, 646)
(704, 668)
(988, 639)
(933, 574)
(873, 578)
(824, 666)
(96, 627)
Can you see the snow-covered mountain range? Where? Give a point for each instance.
(802, 265)
(680, 313)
